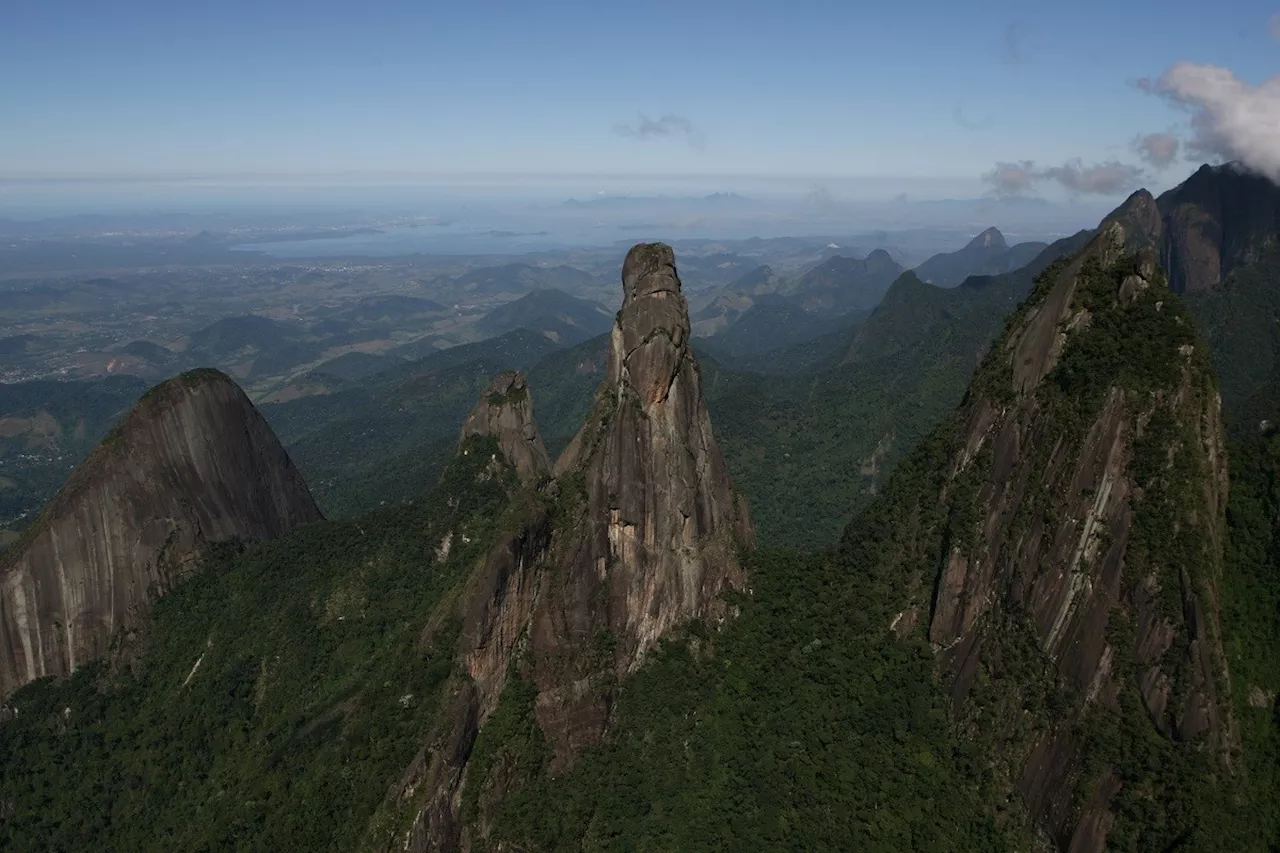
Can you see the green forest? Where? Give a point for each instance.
(270, 699)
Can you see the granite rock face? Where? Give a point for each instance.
(1057, 481)
(505, 412)
(660, 526)
(1216, 221)
(192, 463)
(639, 532)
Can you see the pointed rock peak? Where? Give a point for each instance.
(193, 462)
(644, 534)
(661, 529)
(1132, 231)
(989, 239)
(652, 331)
(1134, 225)
(505, 412)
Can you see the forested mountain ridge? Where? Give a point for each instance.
(1056, 555)
(1053, 628)
(1073, 565)
(985, 254)
(280, 691)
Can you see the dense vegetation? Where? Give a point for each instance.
(271, 698)
(808, 724)
(803, 726)
(384, 439)
(1241, 321)
(46, 428)
(1251, 621)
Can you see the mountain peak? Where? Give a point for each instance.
(1217, 221)
(1136, 224)
(193, 462)
(643, 534)
(505, 412)
(1111, 429)
(989, 239)
(648, 268)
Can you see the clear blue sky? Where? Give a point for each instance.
(796, 88)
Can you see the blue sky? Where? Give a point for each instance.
(899, 89)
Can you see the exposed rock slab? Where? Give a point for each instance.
(505, 412)
(1047, 479)
(192, 463)
(639, 532)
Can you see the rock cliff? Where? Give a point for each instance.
(655, 539)
(1217, 221)
(639, 532)
(505, 412)
(193, 462)
(1082, 525)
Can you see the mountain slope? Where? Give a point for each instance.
(841, 284)
(1222, 242)
(1070, 574)
(986, 254)
(385, 439)
(255, 346)
(733, 299)
(565, 319)
(192, 463)
(1217, 221)
(1053, 556)
(767, 327)
(282, 689)
(1241, 320)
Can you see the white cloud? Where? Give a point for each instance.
(1230, 119)
(1012, 178)
(1106, 178)
(1020, 178)
(1157, 149)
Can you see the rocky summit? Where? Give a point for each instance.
(666, 521)
(192, 463)
(639, 532)
(1084, 518)
(505, 412)
(1217, 221)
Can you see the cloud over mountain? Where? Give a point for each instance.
(1230, 119)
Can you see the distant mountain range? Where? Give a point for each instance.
(986, 254)
(564, 319)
